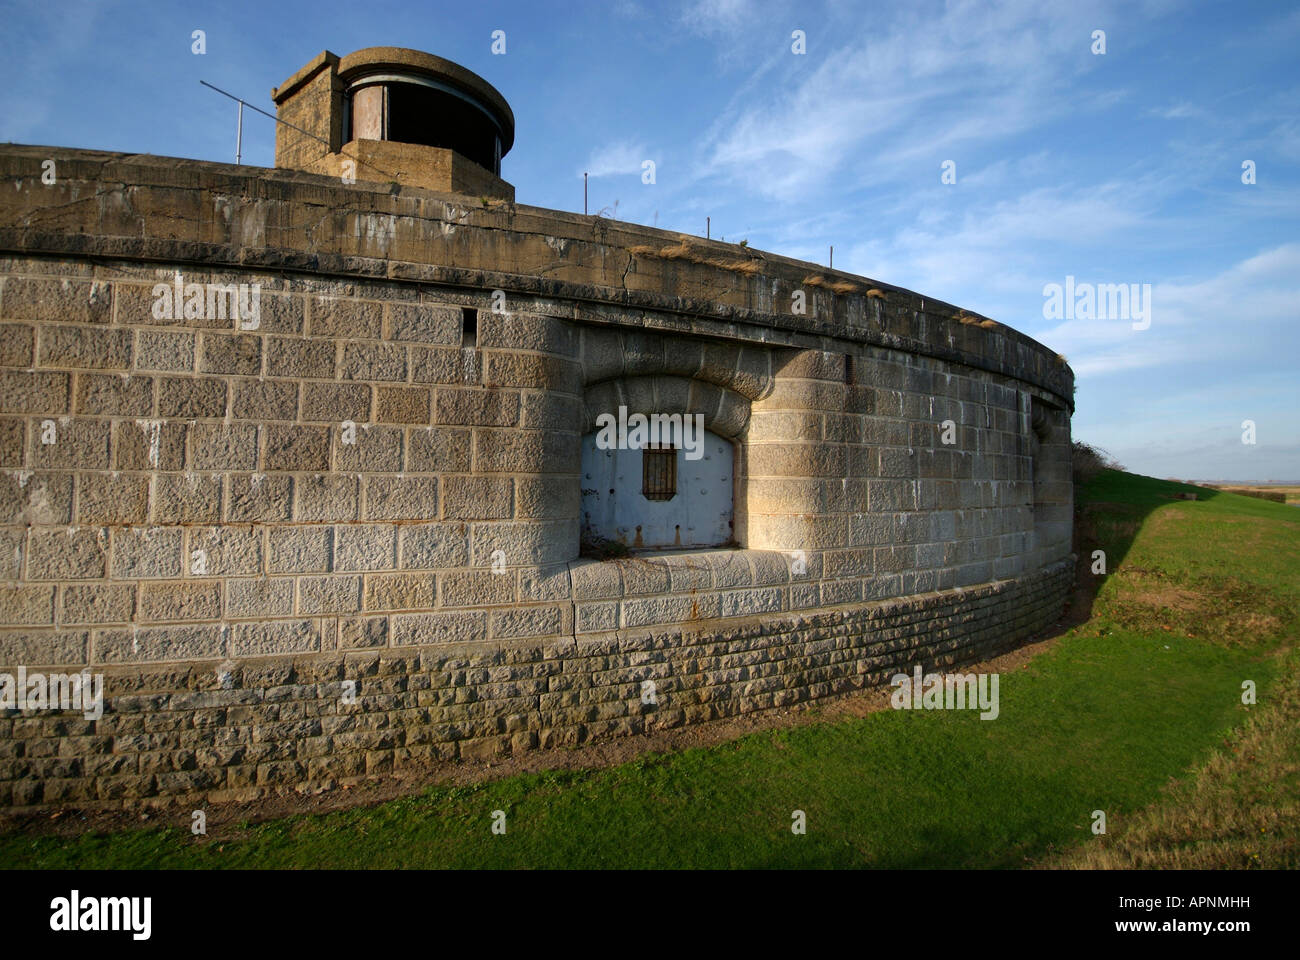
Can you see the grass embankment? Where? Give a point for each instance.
(1137, 712)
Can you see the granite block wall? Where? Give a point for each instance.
(372, 478)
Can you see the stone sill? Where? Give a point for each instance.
(689, 601)
(716, 568)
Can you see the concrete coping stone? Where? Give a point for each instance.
(648, 574)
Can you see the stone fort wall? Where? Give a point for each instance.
(185, 510)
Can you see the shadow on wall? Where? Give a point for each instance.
(664, 419)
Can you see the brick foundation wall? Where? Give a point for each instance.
(235, 731)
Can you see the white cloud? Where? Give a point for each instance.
(1179, 111)
(616, 159)
(710, 17)
(914, 85)
(1221, 320)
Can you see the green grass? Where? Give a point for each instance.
(1134, 697)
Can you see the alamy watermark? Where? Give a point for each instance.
(209, 301)
(1100, 301)
(683, 431)
(950, 691)
(75, 913)
(53, 691)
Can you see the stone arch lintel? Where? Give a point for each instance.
(726, 412)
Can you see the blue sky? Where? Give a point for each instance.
(1122, 167)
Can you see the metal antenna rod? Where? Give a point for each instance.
(264, 113)
(239, 134)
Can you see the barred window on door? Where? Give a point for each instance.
(659, 472)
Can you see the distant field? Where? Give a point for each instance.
(1138, 712)
(1278, 493)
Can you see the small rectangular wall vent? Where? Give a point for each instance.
(468, 327)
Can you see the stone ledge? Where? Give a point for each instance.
(656, 574)
(96, 218)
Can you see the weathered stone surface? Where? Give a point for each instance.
(402, 404)
(365, 547)
(329, 595)
(13, 441)
(27, 497)
(264, 400)
(296, 448)
(370, 449)
(373, 361)
(438, 450)
(295, 357)
(67, 554)
(24, 605)
(490, 408)
(346, 319)
(164, 350)
(146, 553)
(40, 648)
(70, 443)
(259, 598)
(300, 549)
(433, 546)
(275, 637)
(363, 632)
(149, 444)
(85, 347)
(114, 395)
(238, 354)
(436, 628)
(17, 344)
(223, 446)
(326, 498)
(190, 399)
(401, 591)
(97, 603)
(180, 601)
(227, 551)
(336, 402)
(473, 588)
(258, 497)
(401, 498)
(424, 323)
(58, 298)
(11, 552)
(157, 644)
(113, 498)
(477, 498)
(34, 392)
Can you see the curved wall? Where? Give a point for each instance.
(344, 538)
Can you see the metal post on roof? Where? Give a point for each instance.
(239, 131)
